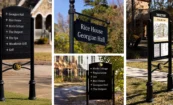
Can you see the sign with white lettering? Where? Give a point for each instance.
(160, 36)
(16, 32)
(100, 81)
(91, 33)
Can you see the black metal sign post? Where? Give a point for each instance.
(159, 47)
(17, 42)
(2, 98)
(71, 25)
(149, 83)
(32, 95)
(170, 82)
(113, 87)
(100, 82)
(87, 93)
(95, 34)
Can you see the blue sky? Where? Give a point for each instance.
(62, 6)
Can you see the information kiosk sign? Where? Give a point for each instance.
(159, 47)
(16, 33)
(160, 36)
(100, 81)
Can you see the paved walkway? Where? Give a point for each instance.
(18, 81)
(143, 74)
(63, 93)
(43, 48)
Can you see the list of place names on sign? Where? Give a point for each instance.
(100, 81)
(16, 32)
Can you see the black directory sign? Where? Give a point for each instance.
(100, 81)
(16, 32)
(159, 36)
(91, 33)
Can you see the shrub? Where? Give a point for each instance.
(42, 41)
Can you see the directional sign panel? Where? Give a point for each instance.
(16, 35)
(91, 33)
(100, 81)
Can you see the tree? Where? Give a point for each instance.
(117, 65)
(100, 9)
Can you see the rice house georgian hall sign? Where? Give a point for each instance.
(100, 81)
(17, 42)
(85, 31)
(91, 33)
(159, 47)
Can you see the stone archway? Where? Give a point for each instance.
(48, 26)
(48, 23)
(38, 24)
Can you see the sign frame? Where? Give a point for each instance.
(111, 76)
(151, 41)
(32, 93)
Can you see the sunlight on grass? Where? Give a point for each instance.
(43, 57)
(136, 93)
(18, 99)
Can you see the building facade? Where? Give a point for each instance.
(73, 65)
(41, 11)
(139, 10)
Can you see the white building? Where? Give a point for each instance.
(42, 14)
(84, 61)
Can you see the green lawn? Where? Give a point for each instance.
(136, 93)
(144, 65)
(18, 99)
(43, 57)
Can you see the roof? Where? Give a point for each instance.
(145, 0)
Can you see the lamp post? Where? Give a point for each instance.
(71, 27)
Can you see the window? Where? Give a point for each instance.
(92, 59)
(81, 59)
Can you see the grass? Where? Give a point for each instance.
(18, 99)
(43, 57)
(144, 65)
(136, 93)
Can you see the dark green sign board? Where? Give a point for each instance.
(100, 81)
(16, 33)
(89, 32)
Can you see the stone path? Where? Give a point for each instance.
(143, 74)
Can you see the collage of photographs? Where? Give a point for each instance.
(86, 52)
